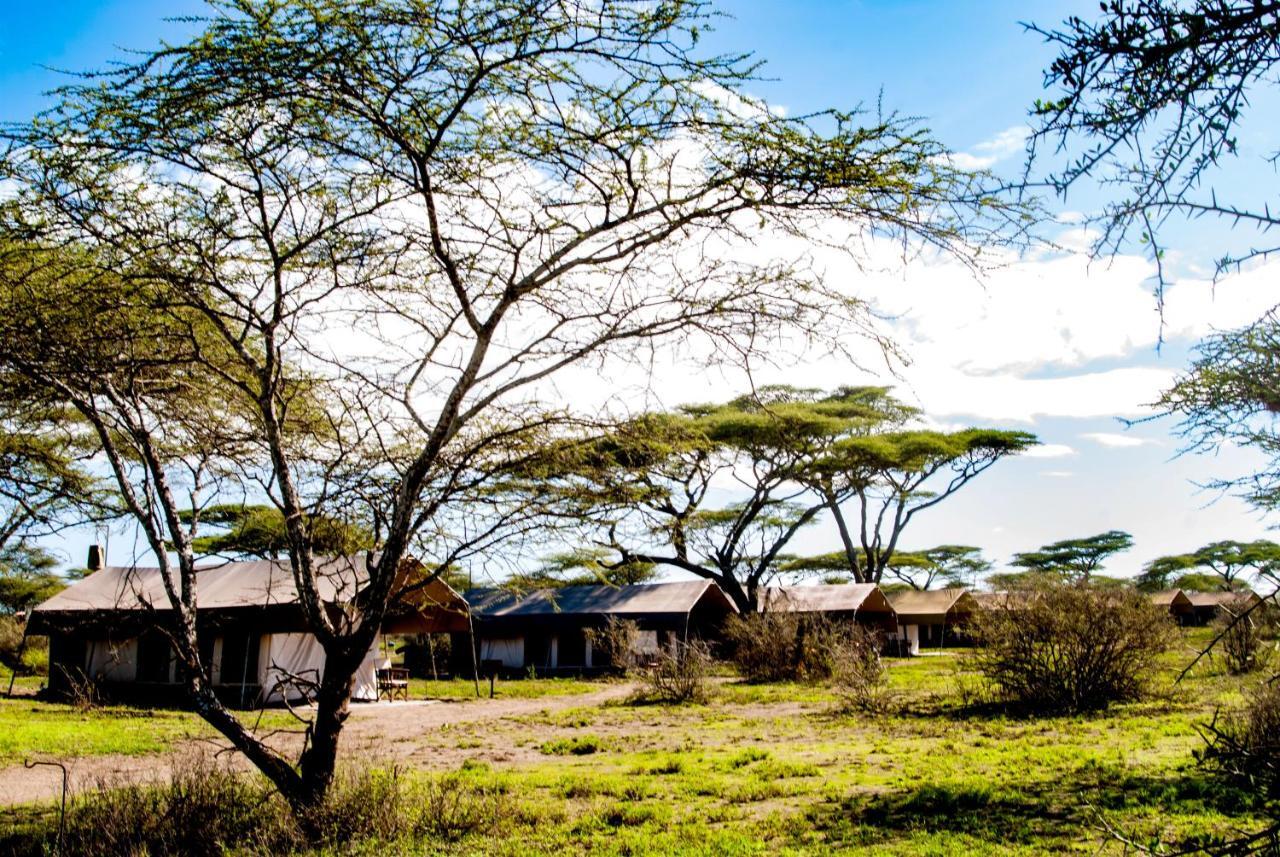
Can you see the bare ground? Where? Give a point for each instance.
(426, 734)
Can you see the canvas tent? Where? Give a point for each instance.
(544, 630)
(1207, 606)
(1180, 607)
(931, 617)
(251, 627)
(864, 602)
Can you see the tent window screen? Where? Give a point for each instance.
(571, 649)
(153, 658)
(239, 658)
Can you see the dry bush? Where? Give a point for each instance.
(858, 674)
(11, 643)
(615, 643)
(1072, 648)
(678, 674)
(787, 646)
(1244, 746)
(1243, 638)
(207, 809)
(82, 692)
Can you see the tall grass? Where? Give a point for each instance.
(209, 810)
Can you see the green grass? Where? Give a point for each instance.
(522, 688)
(33, 729)
(776, 769)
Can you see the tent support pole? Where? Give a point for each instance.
(475, 666)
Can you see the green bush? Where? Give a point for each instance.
(1071, 648)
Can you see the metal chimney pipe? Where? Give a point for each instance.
(96, 558)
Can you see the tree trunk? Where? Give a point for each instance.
(850, 549)
(318, 762)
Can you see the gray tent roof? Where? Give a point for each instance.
(228, 586)
(1221, 599)
(635, 599)
(826, 598)
(931, 605)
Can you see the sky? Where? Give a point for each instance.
(1054, 343)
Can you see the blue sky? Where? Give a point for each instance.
(1077, 350)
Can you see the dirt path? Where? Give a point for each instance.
(376, 733)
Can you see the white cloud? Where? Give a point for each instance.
(1048, 450)
(989, 152)
(1057, 474)
(1116, 440)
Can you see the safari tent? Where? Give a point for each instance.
(544, 630)
(1176, 602)
(931, 618)
(107, 628)
(1207, 606)
(861, 602)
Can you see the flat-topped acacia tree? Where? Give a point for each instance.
(428, 210)
(720, 491)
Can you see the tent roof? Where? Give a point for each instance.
(634, 599)
(240, 585)
(1217, 599)
(931, 604)
(1003, 600)
(1170, 598)
(826, 598)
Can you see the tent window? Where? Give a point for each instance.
(239, 658)
(153, 658)
(537, 650)
(571, 649)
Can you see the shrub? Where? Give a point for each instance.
(1244, 747)
(1242, 638)
(614, 644)
(678, 674)
(1072, 648)
(858, 674)
(207, 809)
(788, 646)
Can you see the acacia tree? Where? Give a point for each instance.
(258, 530)
(1074, 559)
(781, 458)
(1151, 96)
(950, 565)
(379, 229)
(891, 476)
(711, 489)
(1231, 563)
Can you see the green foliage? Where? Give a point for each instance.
(584, 567)
(27, 578)
(259, 531)
(1230, 563)
(1071, 648)
(1150, 98)
(451, 183)
(949, 565)
(1075, 559)
(797, 453)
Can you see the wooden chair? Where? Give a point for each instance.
(393, 682)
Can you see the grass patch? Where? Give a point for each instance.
(524, 688)
(578, 745)
(775, 769)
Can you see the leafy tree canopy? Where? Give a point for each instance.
(1075, 559)
(1229, 563)
(259, 531)
(27, 578)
